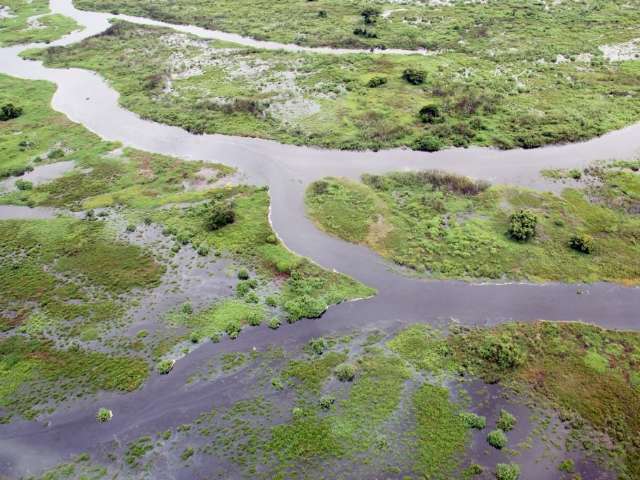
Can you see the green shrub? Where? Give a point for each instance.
(581, 242)
(131, 228)
(24, 185)
(104, 415)
(252, 297)
(507, 471)
(375, 82)
(472, 420)
(9, 112)
(254, 319)
(522, 225)
(187, 308)
(274, 323)
(165, 366)
(502, 351)
(506, 421)
(187, 453)
(326, 401)
(370, 15)
(429, 113)
(233, 329)
(319, 187)
(219, 214)
(427, 143)
(243, 274)
(345, 372)
(271, 301)
(305, 306)
(497, 439)
(567, 466)
(318, 345)
(194, 337)
(203, 250)
(414, 77)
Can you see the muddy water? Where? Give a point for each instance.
(40, 174)
(86, 98)
(16, 212)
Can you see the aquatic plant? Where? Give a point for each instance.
(497, 439)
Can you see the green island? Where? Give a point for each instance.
(448, 226)
(357, 101)
(24, 21)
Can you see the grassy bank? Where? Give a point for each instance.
(16, 27)
(506, 27)
(357, 101)
(452, 227)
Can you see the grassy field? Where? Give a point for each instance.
(459, 228)
(359, 101)
(500, 27)
(69, 283)
(15, 26)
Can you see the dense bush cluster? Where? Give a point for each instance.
(497, 439)
(429, 113)
(436, 179)
(507, 471)
(345, 372)
(503, 352)
(376, 82)
(522, 225)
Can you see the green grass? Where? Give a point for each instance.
(16, 29)
(448, 234)
(498, 28)
(33, 372)
(505, 100)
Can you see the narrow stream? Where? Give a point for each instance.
(87, 99)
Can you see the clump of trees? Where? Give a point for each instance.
(9, 112)
(414, 77)
(522, 225)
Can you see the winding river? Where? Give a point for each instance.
(87, 99)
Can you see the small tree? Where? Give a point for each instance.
(522, 225)
(414, 77)
(581, 242)
(219, 214)
(10, 111)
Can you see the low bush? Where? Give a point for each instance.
(104, 415)
(24, 185)
(233, 329)
(414, 77)
(254, 319)
(243, 274)
(9, 112)
(345, 372)
(318, 345)
(194, 337)
(507, 471)
(429, 113)
(522, 225)
(581, 242)
(497, 439)
(376, 82)
(502, 352)
(305, 306)
(428, 143)
(370, 15)
(506, 421)
(274, 323)
(472, 420)
(326, 402)
(219, 214)
(165, 366)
